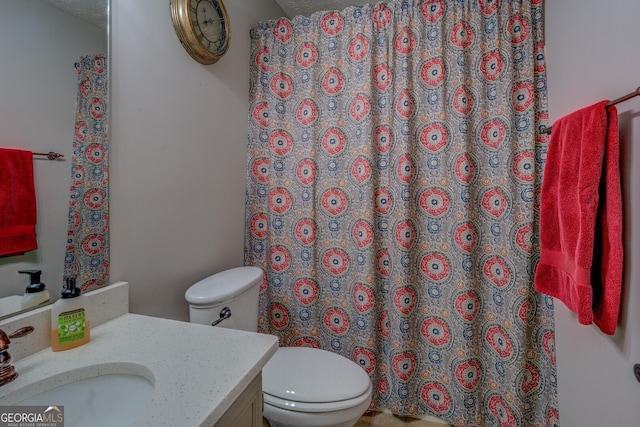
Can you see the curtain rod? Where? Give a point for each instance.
(633, 94)
(50, 155)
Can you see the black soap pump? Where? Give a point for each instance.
(36, 292)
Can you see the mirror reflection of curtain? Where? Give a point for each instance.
(87, 252)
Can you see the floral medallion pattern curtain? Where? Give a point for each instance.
(394, 166)
(87, 253)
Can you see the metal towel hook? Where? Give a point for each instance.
(225, 313)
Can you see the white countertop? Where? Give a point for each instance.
(198, 370)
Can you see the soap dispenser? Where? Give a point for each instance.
(70, 326)
(36, 292)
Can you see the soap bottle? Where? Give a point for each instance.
(70, 326)
(36, 291)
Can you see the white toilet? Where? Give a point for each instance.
(301, 386)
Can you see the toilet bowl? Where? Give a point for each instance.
(301, 386)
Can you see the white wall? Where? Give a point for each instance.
(39, 45)
(178, 153)
(593, 54)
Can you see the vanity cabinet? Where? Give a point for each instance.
(246, 411)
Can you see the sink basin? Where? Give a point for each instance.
(108, 395)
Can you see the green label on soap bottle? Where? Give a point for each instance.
(71, 326)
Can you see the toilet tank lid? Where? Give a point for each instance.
(223, 286)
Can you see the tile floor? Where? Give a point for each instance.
(380, 419)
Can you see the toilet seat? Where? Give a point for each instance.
(306, 379)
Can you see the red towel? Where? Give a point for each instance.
(17, 202)
(581, 217)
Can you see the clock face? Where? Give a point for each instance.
(210, 25)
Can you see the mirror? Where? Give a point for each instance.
(40, 43)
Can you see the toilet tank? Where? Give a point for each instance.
(236, 288)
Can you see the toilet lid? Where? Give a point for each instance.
(223, 286)
(312, 375)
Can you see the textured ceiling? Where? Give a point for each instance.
(92, 11)
(307, 7)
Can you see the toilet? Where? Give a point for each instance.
(301, 386)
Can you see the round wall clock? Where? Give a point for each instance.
(202, 27)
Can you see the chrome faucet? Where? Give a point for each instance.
(7, 370)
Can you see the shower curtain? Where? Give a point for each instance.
(87, 250)
(394, 167)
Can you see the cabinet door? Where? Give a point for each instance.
(246, 411)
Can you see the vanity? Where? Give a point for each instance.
(189, 374)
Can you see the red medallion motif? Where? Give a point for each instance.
(307, 112)
(435, 266)
(523, 167)
(365, 358)
(434, 202)
(494, 202)
(260, 114)
(279, 315)
(467, 305)
(332, 23)
(333, 81)
(279, 200)
(406, 104)
(435, 331)
(501, 412)
(383, 201)
(306, 231)
(468, 374)
(335, 261)
(432, 10)
(259, 225)
(306, 291)
(307, 55)
(404, 365)
(336, 320)
(493, 134)
(434, 137)
(283, 31)
(362, 233)
(404, 300)
(260, 169)
(383, 139)
(334, 141)
(518, 27)
(306, 172)
(499, 341)
(262, 59)
(381, 16)
(462, 35)
(436, 397)
(405, 42)
(383, 326)
(360, 107)
(281, 85)
(491, 66)
(279, 258)
(405, 168)
(495, 269)
(383, 262)
(466, 237)
(405, 234)
(465, 168)
(359, 48)
(522, 96)
(363, 298)
(280, 142)
(463, 101)
(382, 77)
(433, 72)
(361, 170)
(334, 201)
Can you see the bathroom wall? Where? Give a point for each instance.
(39, 45)
(178, 153)
(592, 54)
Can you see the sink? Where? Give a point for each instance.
(113, 394)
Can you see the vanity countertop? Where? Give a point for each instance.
(198, 370)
